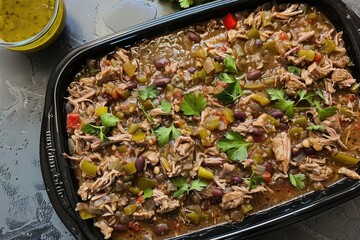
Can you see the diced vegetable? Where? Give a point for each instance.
(300, 121)
(89, 168)
(199, 75)
(329, 46)
(212, 122)
(201, 52)
(270, 46)
(84, 214)
(129, 209)
(205, 173)
(144, 183)
(309, 54)
(229, 21)
(229, 115)
(261, 98)
(165, 163)
(344, 159)
(133, 127)
(208, 65)
(253, 33)
(218, 67)
(129, 68)
(73, 120)
(141, 78)
(139, 135)
(265, 18)
(100, 111)
(246, 207)
(193, 217)
(130, 168)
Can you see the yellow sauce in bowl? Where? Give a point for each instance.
(30, 25)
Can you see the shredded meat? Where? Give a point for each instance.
(164, 203)
(349, 173)
(314, 171)
(104, 228)
(281, 146)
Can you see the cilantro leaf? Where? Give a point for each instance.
(108, 120)
(230, 65)
(147, 193)
(228, 78)
(186, 3)
(163, 134)
(276, 94)
(320, 94)
(234, 145)
(198, 185)
(304, 95)
(91, 129)
(148, 117)
(286, 106)
(232, 92)
(316, 128)
(166, 107)
(297, 180)
(293, 69)
(324, 113)
(255, 181)
(193, 104)
(149, 93)
(182, 186)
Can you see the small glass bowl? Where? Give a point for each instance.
(46, 36)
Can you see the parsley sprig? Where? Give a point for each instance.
(148, 192)
(232, 92)
(163, 134)
(193, 104)
(166, 107)
(254, 180)
(150, 92)
(297, 180)
(184, 187)
(234, 145)
(287, 106)
(107, 121)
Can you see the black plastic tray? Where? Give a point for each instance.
(61, 183)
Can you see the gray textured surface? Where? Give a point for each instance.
(25, 211)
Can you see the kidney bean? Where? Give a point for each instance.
(258, 43)
(269, 167)
(256, 131)
(276, 113)
(310, 151)
(217, 192)
(261, 138)
(253, 75)
(131, 85)
(283, 126)
(239, 115)
(119, 227)
(218, 58)
(161, 63)
(191, 70)
(161, 229)
(140, 164)
(237, 179)
(295, 151)
(193, 36)
(161, 82)
(205, 205)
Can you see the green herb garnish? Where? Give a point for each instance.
(324, 112)
(316, 128)
(149, 93)
(193, 104)
(166, 107)
(230, 65)
(184, 187)
(234, 145)
(283, 104)
(293, 69)
(147, 193)
(163, 134)
(107, 120)
(297, 180)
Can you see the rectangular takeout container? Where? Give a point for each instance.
(61, 183)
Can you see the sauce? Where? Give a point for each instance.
(22, 19)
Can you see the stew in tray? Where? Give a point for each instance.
(212, 122)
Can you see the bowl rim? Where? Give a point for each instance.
(37, 36)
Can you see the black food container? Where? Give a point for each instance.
(61, 183)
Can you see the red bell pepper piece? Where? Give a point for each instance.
(229, 21)
(283, 36)
(317, 57)
(267, 176)
(73, 120)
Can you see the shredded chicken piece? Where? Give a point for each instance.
(234, 35)
(314, 171)
(105, 181)
(143, 214)
(163, 201)
(238, 195)
(349, 173)
(288, 13)
(305, 36)
(152, 156)
(105, 229)
(342, 78)
(244, 127)
(293, 83)
(281, 146)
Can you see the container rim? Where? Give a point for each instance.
(37, 36)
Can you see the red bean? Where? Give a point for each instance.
(253, 75)
(310, 151)
(258, 43)
(193, 36)
(131, 85)
(256, 131)
(161, 82)
(119, 227)
(218, 58)
(276, 113)
(140, 164)
(239, 115)
(217, 192)
(161, 229)
(161, 63)
(269, 167)
(206, 204)
(237, 179)
(283, 126)
(261, 138)
(295, 151)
